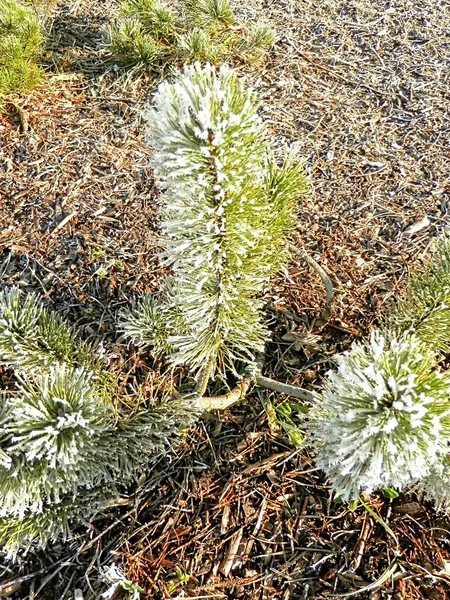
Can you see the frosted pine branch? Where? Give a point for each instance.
(66, 445)
(425, 307)
(33, 338)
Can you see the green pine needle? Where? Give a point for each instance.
(425, 307)
(256, 40)
(197, 45)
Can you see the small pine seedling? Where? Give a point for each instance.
(227, 209)
(384, 418)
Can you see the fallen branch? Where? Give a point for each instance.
(284, 388)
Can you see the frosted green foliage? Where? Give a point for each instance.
(59, 442)
(436, 486)
(384, 418)
(64, 437)
(153, 430)
(55, 522)
(52, 435)
(425, 307)
(151, 322)
(227, 210)
(150, 36)
(32, 337)
(20, 45)
(56, 417)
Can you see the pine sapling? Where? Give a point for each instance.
(384, 417)
(66, 442)
(227, 209)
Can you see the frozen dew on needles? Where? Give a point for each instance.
(384, 418)
(227, 208)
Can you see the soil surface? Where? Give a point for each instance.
(361, 90)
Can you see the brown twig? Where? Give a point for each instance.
(284, 388)
(328, 311)
(360, 546)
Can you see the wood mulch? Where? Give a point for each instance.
(361, 90)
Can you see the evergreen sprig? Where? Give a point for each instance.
(227, 211)
(67, 444)
(32, 337)
(384, 418)
(424, 309)
(60, 442)
(151, 321)
(54, 522)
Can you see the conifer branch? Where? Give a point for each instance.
(227, 210)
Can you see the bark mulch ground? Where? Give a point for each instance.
(362, 91)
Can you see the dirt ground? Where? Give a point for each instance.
(361, 89)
